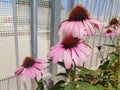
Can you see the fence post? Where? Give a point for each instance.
(14, 13)
(55, 20)
(72, 2)
(33, 29)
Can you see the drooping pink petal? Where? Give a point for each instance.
(76, 30)
(57, 45)
(97, 24)
(81, 54)
(84, 49)
(39, 66)
(32, 73)
(62, 27)
(67, 59)
(90, 27)
(68, 28)
(57, 56)
(38, 73)
(41, 61)
(89, 32)
(19, 71)
(25, 75)
(95, 21)
(75, 57)
(71, 28)
(81, 29)
(53, 52)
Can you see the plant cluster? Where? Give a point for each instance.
(74, 50)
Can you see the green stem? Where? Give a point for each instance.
(38, 88)
(73, 75)
(101, 55)
(111, 40)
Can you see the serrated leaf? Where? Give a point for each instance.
(61, 64)
(110, 87)
(84, 71)
(88, 86)
(104, 65)
(62, 74)
(70, 87)
(113, 58)
(41, 85)
(118, 86)
(119, 74)
(60, 85)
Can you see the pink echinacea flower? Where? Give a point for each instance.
(72, 49)
(79, 23)
(113, 23)
(30, 68)
(110, 32)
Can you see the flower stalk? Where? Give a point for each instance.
(73, 76)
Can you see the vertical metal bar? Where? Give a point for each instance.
(110, 15)
(16, 39)
(55, 20)
(25, 86)
(117, 9)
(99, 43)
(91, 3)
(98, 15)
(111, 9)
(8, 84)
(72, 2)
(93, 44)
(33, 28)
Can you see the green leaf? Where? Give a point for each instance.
(85, 71)
(118, 86)
(109, 45)
(60, 85)
(110, 87)
(104, 65)
(70, 87)
(113, 58)
(62, 74)
(88, 86)
(119, 74)
(61, 64)
(41, 85)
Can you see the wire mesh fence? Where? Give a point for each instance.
(15, 33)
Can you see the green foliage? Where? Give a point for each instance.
(60, 85)
(110, 87)
(106, 77)
(85, 71)
(70, 86)
(62, 74)
(113, 58)
(41, 85)
(104, 65)
(61, 64)
(88, 86)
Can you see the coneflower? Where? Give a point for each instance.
(30, 68)
(79, 23)
(113, 23)
(72, 49)
(110, 32)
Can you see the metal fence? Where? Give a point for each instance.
(15, 33)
